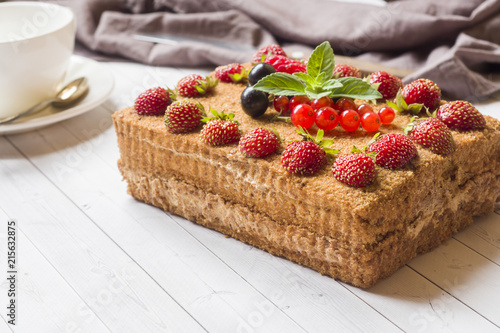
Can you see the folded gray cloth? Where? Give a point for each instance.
(448, 42)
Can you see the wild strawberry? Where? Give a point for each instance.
(259, 142)
(182, 117)
(303, 157)
(231, 73)
(153, 102)
(286, 65)
(195, 85)
(393, 150)
(461, 115)
(342, 70)
(388, 84)
(356, 169)
(307, 157)
(433, 134)
(220, 129)
(422, 91)
(267, 51)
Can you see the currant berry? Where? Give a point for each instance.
(299, 99)
(387, 115)
(350, 120)
(280, 104)
(303, 115)
(321, 102)
(370, 121)
(259, 71)
(326, 118)
(254, 102)
(364, 108)
(345, 103)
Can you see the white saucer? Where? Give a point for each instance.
(101, 84)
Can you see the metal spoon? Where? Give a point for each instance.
(68, 95)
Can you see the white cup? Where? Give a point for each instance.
(36, 43)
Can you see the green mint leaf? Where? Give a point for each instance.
(306, 78)
(321, 61)
(353, 87)
(280, 84)
(331, 84)
(321, 78)
(316, 93)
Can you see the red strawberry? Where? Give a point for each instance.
(267, 51)
(433, 134)
(153, 102)
(259, 142)
(422, 91)
(303, 157)
(356, 169)
(393, 150)
(461, 115)
(231, 73)
(286, 65)
(307, 157)
(220, 132)
(389, 84)
(182, 117)
(220, 129)
(342, 70)
(195, 85)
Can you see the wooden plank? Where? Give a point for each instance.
(483, 237)
(416, 305)
(46, 303)
(209, 290)
(318, 303)
(4, 327)
(114, 286)
(464, 274)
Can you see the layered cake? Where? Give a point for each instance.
(355, 234)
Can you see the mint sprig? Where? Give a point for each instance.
(317, 81)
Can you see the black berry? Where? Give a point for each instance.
(254, 102)
(259, 71)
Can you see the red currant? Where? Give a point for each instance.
(326, 118)
(321, 102)
(349, 120)
(370, 121)
(280, 104)
(345, 103)
(299, 99)
(303, 115)
(364, 108)
(387, 115)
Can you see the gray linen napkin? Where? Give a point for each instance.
(444, 41)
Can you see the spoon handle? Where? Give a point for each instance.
(40, 106)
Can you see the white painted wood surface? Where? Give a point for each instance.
(92, 259)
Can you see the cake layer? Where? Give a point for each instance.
(368, 233)
(359, 266)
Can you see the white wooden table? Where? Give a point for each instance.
(92, 259)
